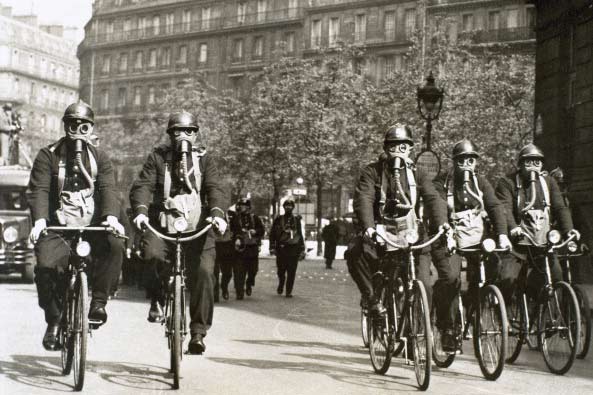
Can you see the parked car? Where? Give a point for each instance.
(16, 253)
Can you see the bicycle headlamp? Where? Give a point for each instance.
(412, 236)
(554, 237)
(83, 249)
(10, 234)
(572, 247)
(488, 245)
(180, 224)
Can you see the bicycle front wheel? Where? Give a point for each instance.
(490, 332)
(364, 326)
(517, 327)
(585, 310)
(175, 332)
(559, 328)
(381, 336)
(80, 330)
(66, 334)
(421, 335)
(441, 358)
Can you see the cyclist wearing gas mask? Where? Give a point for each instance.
(532, 201)
(470, 201)
(388, 193)
(181, 179)
(72, 184)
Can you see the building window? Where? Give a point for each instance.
(513, 18)
(316, 34)
(468, 22)
(43, 121)
(137, 96)
(241, 11)
(360, 27)
(186, 20)
(334, 31)
(258, 47)
(206, 18)
(156, 24)
(123, 62)
(293, 8)
(152, 58)
(262, 6)
(122, 94)
(106, 66)
(166, 57)
(289, 40)
(389, 66)
(493, 20)
(410, 21)
(530, 16)
(109, 28)
(141, 26)
(139, 60)
(169, 22)
(389, 25)
(151, 94)
(182, 54)
(203, 57)
(237, 50)
(104, 99)
(127, 25)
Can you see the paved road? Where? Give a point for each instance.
(266, 344)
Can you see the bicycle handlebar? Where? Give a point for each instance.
(564, 243)
(413, 247)
(108, 229)
(180, 239)
(481, 249)
(554, 247)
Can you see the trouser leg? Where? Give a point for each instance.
(281, 270)
(239, 274)
(154, 252)
(446, 288)
(508, 274)
(361, 270)
(201, 287)
(108, 253)
(537, 275)
(252, 265)
(226, 268)
(291, 268)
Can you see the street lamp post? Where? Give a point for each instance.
(299, 182)
(430, 103)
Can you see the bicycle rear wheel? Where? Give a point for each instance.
(441, 358)
(381, 336)
(80, 330)
(517, 328)
(175, 332)
(421, 335)
(364, 326)
(559, 329)
(66, 325)
(585, 310)
(490, 332)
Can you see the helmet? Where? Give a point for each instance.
(182, 120)
(245, 201)
(558, 174)
(289, 200)
(530, 151)
(79, 111)
(7, 106)
(465, 148)
(398, 132)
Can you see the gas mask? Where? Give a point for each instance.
(398, 155)
(466, 167)
(182, 141)
(79, 132)
(530, 169)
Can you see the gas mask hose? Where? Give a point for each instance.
(467, 177)
(406, 205)
(78, 160)
(532, 191)
(184, 150)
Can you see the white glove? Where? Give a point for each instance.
(516, 232)
(504, 242)
(219, 224)
(39, 226)
(370, 232)
(114, 223)
(140, 220)
(575, 233)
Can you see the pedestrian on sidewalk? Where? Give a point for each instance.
(226, 257)
(329, 234)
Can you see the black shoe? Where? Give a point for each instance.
(155, 314)
(248, 290)
(289, 295)
(280, 289)
(225, 294)
(448, 341)
(328, 267)
(240, 296)
(50, 338)
(97, 313)
(196, 344)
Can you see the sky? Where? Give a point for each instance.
(74, 13)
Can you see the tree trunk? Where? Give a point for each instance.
(319, 216)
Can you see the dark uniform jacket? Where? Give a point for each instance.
(367, 196)
(241, 223)
(506, 191)
(43, 186)
(147, 193)
(282, 224)
(464, 201)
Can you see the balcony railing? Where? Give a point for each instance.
(375, 36)
(446, 2)
(275, 16)
(524, 33)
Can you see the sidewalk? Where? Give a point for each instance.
(265, 250)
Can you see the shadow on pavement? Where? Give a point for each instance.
(46, 372)
(310, 345)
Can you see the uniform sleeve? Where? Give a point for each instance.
(302, 240)
(105, 186)
(143, 188)
(212, 184)
(259, 227)
(435, 205)
(494, 207)
(504, 193)
(39, 186)
(364, 198)
(274, 234)
(559, 209)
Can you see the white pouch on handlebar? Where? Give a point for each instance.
(396, 230)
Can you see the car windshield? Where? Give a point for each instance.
(12, 199)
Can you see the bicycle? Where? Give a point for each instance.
(175, 317)
(557, 328)
(75, 324)
(572, 250)
(365, 322)
(407, 317)
(489, 318)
